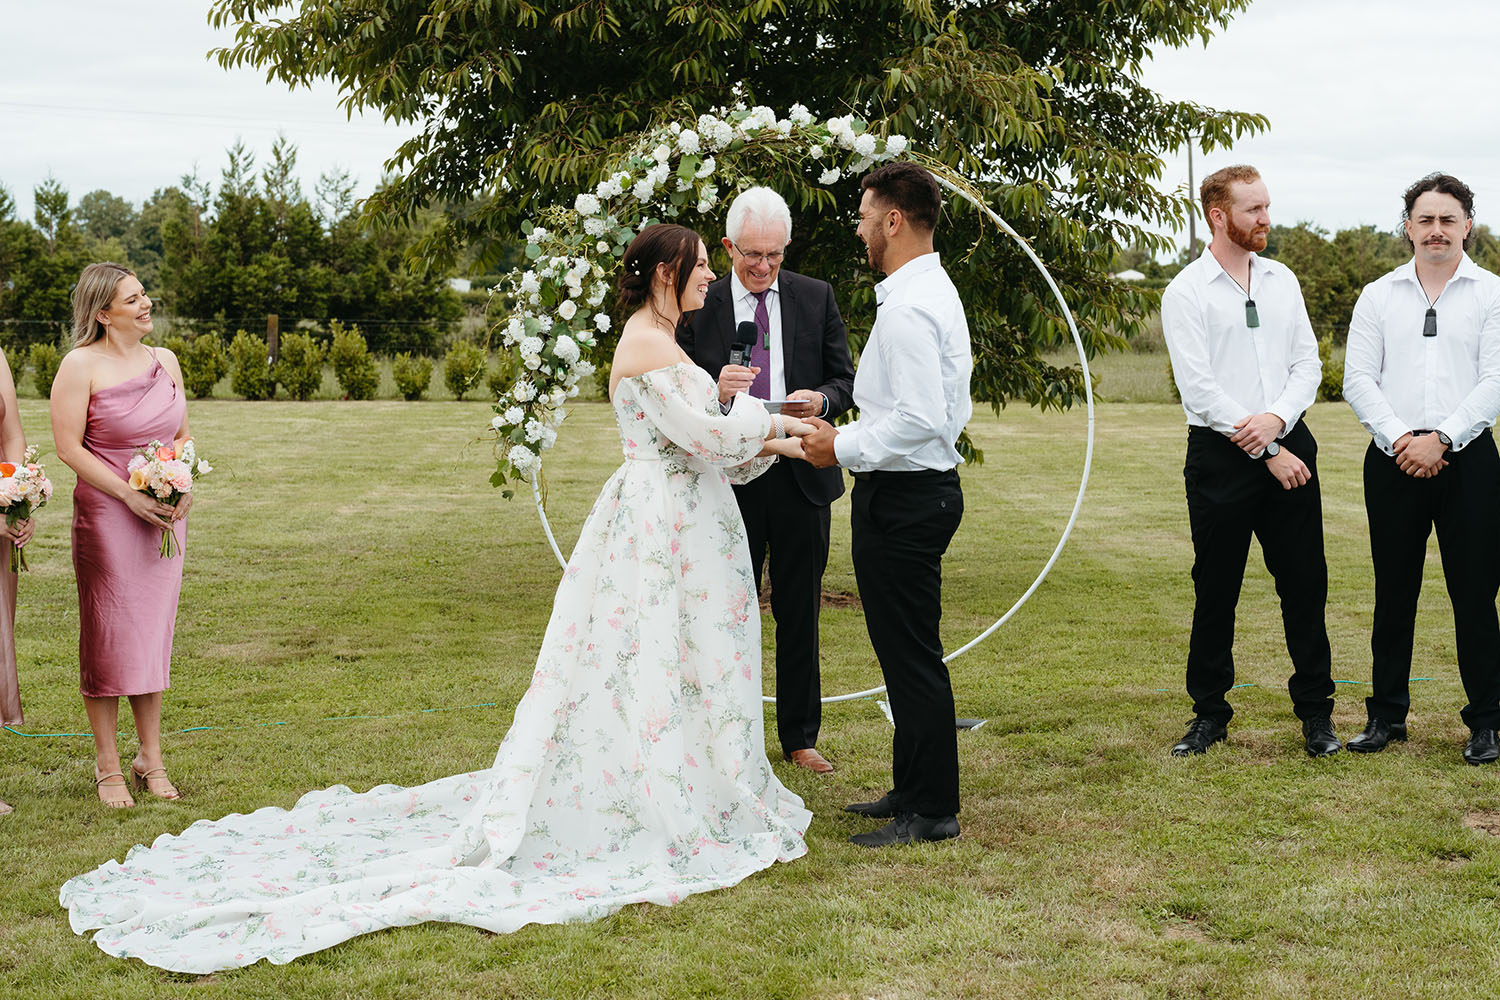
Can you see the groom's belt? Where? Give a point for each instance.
(912, 476)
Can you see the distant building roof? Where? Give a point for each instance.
(1129, 274)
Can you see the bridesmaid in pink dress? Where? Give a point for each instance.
(12, 448)
(112, 395)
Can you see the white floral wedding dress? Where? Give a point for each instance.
(634, 771)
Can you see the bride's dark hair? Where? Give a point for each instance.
(663, 243)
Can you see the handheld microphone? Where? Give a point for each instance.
(744, 341)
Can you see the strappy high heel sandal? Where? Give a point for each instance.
(143, 780)
(102, 782)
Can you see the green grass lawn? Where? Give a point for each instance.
(359, 606)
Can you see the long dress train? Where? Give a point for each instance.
(634, 771)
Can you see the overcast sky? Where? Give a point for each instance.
(1364, 96)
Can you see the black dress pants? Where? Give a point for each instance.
(779, 517)
(902, 524)
(1460, 501)
(1231, 496)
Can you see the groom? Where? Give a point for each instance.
(912, 390)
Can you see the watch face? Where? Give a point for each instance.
(1273, 449)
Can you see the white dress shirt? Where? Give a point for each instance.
(1398, 380)
(912, 384)
(1227, 371)
(744, 312)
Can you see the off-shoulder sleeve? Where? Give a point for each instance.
(678, 407)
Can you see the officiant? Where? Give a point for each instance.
(800, 354)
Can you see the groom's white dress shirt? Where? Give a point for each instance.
(912, 383)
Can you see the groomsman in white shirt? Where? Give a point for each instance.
(1423, 375)
(1246, 364)
(912, 390)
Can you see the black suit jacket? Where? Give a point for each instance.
(814, 351)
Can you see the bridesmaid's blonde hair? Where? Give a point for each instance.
(93, 293)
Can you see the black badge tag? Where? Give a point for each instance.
(1429, 323)
(1252, 318)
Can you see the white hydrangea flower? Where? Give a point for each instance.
(595, 226)
(558, 397)
(687, 141)
(565, 349)
(643, 189)
(536, 235)
(525, 460)
(545, 322)
(586, 204)
(862, 164)
(816, 152)
(660, 172)
(514, 330)
(523, 391)
(514, 415)
(497, 423)
(706, 167)
(531, 346)
(534, 429)
(534, 299)
(583, 368)
(567, 310)
(662, 153)
(799, 115)
(784, 126)
(829, 176)
(864, 144)
(530, 283)
(601, 320)
(895, 145)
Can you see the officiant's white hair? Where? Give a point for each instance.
(757, 203)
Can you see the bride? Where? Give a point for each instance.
(635, 768)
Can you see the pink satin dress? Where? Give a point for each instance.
(127, 593)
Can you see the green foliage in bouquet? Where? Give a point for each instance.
(44, 359)
(352, 363)
(299, 365)
(412, 374)
(463, 367)
(250, 367)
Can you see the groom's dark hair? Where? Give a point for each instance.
(908, 188)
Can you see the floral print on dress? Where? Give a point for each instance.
(634, 771)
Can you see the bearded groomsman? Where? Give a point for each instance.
(801, 354)
(1423, 375)
(1246, 364)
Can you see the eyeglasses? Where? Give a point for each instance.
(759, 258)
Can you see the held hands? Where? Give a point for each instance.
(789, 446)
(818, 446)
(1254, 432)
(1420, 457)
(1289, 470)
(735, 379)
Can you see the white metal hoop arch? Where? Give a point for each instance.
(1083, 482)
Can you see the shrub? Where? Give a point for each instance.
(463, 367)
(353, 365)
(250, 367)
(299, 365)
(412, 375)
(204, 362)
(1331, 389)
(44, 359)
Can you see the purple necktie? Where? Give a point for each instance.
(760, 354)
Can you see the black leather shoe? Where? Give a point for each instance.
(1319, 737)
(1202, 734)
(1377, 734)
(909, 828)
(1482, 748)
(882, 808)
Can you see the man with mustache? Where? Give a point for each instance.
(1423, 375)
(1246, 364)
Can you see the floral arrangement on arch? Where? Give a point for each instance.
(554, 307)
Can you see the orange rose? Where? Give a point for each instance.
(6, 469)
(165, 453)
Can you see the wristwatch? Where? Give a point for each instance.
(1272, 450)
(1447, 441)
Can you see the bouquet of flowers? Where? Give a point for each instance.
(167, 473)
(24, 490)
